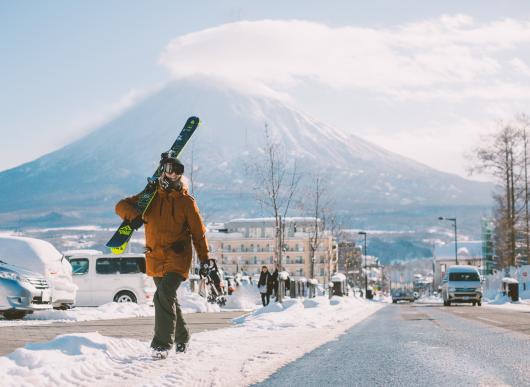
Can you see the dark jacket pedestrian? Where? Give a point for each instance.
(265, 285)
(172, 222)
(275, 282)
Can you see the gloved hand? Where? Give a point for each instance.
(206, 266)
(204, 269)
(137, 222)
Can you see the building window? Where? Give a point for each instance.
(322, 273)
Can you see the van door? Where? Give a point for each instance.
(106, 279)
(81, 277)
(132, 277)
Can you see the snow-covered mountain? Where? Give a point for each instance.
(90, 174)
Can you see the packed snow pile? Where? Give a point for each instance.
(189, 303)
(249, 352)
(109, 311)
(192, 302)
(244, 297)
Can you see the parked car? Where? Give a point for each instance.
(41, 257)
(462, 284)
(104, 278)
(22, 292)
(402, 295)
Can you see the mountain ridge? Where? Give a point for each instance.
(113, 161)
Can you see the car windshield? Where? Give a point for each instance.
(471, 276)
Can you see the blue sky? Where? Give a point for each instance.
(67, 66)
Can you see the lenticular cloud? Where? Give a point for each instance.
(426, 58)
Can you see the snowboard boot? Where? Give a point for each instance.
(181, 347)
(159, 353)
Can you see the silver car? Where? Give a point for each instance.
(22, 292)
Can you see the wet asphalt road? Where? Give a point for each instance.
(421, 345)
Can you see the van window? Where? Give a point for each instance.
(108, 265)
(79, 266)
(132, 265)
(464, 276)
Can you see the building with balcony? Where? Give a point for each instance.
(245, 245)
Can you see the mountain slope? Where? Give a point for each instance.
(114, 160)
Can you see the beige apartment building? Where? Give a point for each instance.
(244, 245)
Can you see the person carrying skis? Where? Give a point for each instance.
(171, 223)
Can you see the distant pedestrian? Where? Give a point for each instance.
(265, 285)
(275, 283)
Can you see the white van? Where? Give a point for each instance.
(104, 278)
(462, 283)
(41, 257)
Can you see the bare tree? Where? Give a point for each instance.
(276, 183)
(314, 202)
(523, 126)
(499, 155)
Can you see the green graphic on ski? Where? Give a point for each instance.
(121, 237)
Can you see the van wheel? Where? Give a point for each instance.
(125, 296)
(14, 314)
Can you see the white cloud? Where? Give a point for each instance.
(521, 66)
(434, 58)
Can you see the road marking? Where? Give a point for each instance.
(487, 319)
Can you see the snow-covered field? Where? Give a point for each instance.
(259, 344)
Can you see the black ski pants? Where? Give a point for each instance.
(265, 298)
(170, 326)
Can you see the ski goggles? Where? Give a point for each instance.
(172, 166)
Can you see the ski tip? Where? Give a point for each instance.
(194, 119)
(118, 250)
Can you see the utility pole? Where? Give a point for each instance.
(365, 268)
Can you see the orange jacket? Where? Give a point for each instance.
(171, 222)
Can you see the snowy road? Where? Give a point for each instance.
(420, 345)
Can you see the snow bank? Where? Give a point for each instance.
(192, 302)
(504, 302)
(189, 303)
(244, 298)
(249, 352)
